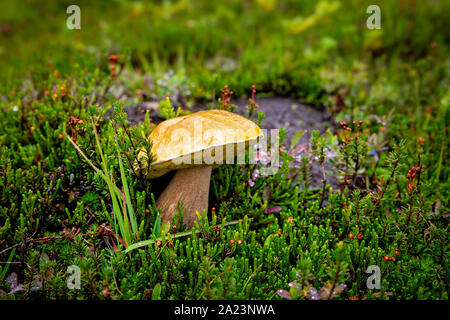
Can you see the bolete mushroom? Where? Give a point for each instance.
(193, 145)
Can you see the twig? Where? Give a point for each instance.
(334, 281)
(377, 203)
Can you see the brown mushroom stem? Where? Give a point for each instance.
(191, 187)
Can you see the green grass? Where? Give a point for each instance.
(57, 210)
(124, 218)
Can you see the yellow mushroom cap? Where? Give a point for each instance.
(210, 137)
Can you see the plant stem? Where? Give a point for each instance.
(377, 203)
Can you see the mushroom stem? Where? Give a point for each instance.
(191, 187)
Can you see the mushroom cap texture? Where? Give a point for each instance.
(198, 139)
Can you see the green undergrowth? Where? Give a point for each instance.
(263, 237)
(54, 205)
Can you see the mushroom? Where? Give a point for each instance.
(193, 145)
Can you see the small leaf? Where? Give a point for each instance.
(44, 260)
(295, 291)
(165, 227)
(284, 294)
(156, 294)
(268, 241)
(157, 225)
(296, 137)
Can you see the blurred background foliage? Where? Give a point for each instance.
(276, 45)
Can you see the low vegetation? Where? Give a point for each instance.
(70, 196)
